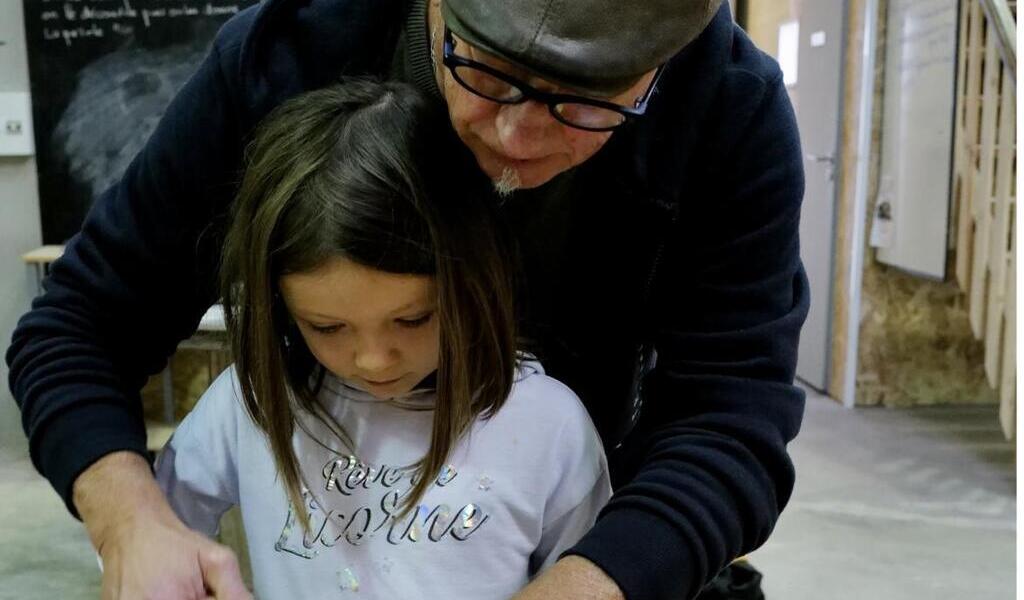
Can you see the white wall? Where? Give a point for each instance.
(19, 214)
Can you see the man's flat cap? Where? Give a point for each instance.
(599, 47)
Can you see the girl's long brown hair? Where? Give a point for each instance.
(370, 172)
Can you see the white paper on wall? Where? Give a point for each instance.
(16, 124)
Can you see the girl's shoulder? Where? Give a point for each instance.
(222, 400)
(225, 388)
(544, 423)
(545, 402)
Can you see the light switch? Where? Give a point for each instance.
(16, 124)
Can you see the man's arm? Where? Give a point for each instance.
(572, 577)
(146, 550)
(132, 284)
(709, 471)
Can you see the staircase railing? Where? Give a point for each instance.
(984, 173)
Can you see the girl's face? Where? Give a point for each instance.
(376, 330)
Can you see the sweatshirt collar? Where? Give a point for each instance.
(416, 48)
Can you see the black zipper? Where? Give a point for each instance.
(673, 209)
(641, 368)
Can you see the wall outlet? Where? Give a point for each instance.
(16, 124)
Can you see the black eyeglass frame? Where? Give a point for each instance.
(528, 92)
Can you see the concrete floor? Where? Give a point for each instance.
(896, 505)
(889, 505)
(44, 552)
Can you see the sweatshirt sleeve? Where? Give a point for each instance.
(706, 467)
(582, 485)
(131, 284)
(198, 468)
(563, 531)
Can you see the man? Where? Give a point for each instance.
(659, 181)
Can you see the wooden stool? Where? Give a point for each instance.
(210, 334)
(40, 259)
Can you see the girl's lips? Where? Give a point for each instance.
(386, 382)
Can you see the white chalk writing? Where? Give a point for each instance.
(70, 21)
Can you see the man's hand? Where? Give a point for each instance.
(147, 551)
(572, 578)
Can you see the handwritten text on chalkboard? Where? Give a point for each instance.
(68, 21)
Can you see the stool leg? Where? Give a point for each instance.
(168, 394)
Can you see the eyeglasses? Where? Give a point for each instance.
(575, 111)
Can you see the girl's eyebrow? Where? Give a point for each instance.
(411, 305)
(307, 314)
(405, 307)
(314, 315)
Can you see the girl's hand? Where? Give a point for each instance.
(147, 552)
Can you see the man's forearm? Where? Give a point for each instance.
(114, 490)
(146, 551)
(572, 578)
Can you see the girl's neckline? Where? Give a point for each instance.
(420, 398)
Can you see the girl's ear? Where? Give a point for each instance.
(291, 330)
(290, 334)
(297, 358)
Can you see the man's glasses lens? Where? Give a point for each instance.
(584, 116)
(487, 85)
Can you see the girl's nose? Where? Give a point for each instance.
(376, 357)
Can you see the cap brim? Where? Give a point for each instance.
(586, 84)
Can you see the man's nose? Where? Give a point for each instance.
(523, 128)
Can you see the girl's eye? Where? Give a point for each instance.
(417, 322)
(326, 329)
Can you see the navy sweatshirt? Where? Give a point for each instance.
(663, 279)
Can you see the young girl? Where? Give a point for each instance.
(377, 429)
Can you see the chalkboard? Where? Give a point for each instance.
(102, 74)
(917, 136)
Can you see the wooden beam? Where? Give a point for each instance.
(999, 235)
(972, 102)
(981, 193)
(1008, 378)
